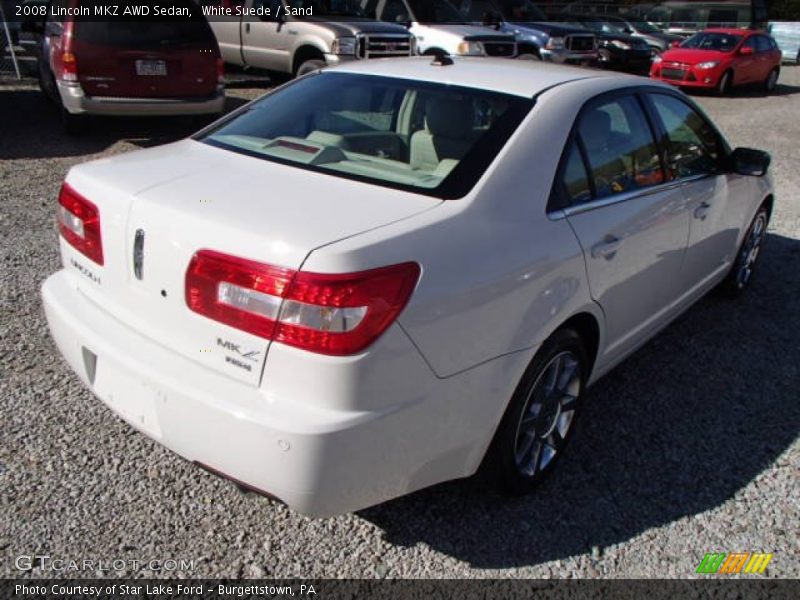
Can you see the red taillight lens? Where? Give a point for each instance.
(324, 313)
(69, 67)
(220, 71)
(79, 223)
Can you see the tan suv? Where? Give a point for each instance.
(297, 39)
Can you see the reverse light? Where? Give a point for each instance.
(79, 223)
(335, 314)
(707, 65)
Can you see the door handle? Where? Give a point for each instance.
(607, 248)
(701, 212)
(247, 28)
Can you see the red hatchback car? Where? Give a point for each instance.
(130, 66)
(720, 59)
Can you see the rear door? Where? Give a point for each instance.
(155, 58)
(631, 223)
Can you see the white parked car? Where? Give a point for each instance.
(381, 276)
(440, 28)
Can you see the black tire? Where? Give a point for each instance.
(47, 82)
(741, 273)
(309, 66)
(772, 80)
(515, 469)
(724, 84)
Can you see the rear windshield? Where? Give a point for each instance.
(722, 42)
(430, 138)
(189, 28)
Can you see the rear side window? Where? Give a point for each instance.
(153, 32)
(695, 147)
(575, 181)
(620, 148)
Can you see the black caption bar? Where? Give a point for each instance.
(321, 589)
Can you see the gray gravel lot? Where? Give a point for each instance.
(690, 446)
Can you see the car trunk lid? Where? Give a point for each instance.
(159, 207)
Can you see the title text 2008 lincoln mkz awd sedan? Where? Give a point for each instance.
(384, 276)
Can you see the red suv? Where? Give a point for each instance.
(720, 59)
(130, 66)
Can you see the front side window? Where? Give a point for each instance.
(695, 147)
(431, 138)
(620, 148)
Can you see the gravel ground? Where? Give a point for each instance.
(690, 446)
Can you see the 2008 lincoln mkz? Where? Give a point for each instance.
(389, 274)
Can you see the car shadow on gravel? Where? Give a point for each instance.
(675, 431)
(781, 89)
(31, 128)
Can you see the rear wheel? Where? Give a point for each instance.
(310, 66)
(724, 84)
(742, 271)
(534, 431)
(772, 80)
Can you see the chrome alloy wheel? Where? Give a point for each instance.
(750, 248)
(548, 414)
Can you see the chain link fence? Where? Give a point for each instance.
(19, 50)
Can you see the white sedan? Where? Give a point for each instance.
(387, 275)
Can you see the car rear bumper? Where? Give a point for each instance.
(319, 460)
(76, 102)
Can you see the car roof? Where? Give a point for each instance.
(730, 31)
(516, 77)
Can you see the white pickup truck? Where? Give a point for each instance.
(441, 28)
(296, 37)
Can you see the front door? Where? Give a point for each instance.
(695, 157)
(266, 40)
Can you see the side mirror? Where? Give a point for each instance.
(746, 50)
(748, 161)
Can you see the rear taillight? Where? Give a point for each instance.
(220, 71)
(69, 67)
(79, 223)
(329, 314)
